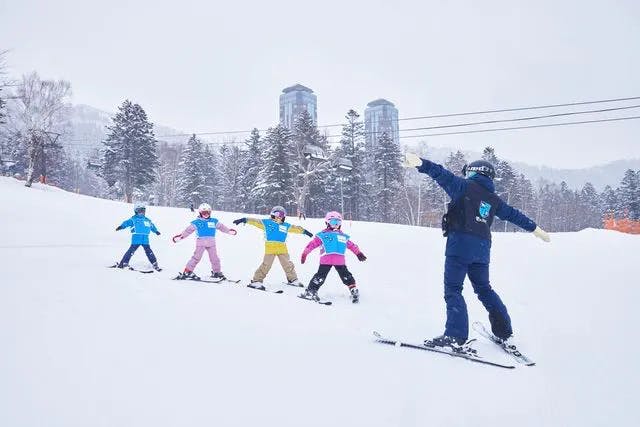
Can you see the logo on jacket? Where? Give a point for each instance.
(483, 210)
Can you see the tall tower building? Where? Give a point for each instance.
(380, 116)
(293, 101)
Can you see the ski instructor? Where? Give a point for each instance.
(467, 226)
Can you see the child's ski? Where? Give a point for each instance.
(323, 302)
(131, 269)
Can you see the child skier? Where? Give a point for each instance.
(140, 227)
(276, 231)
(467, 226)
(205, 227)
(334, 245)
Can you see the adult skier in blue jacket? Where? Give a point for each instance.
(140, 227)
(467, 225)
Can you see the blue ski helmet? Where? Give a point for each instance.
(481, 167)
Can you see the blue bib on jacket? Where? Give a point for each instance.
(140, 226)
(205, 227)
(274, 232)
(333, 242)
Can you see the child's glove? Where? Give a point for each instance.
(303, 258)
(232, 232)
(176, 238)
(541, 234)
(118, 228)
(361, 257)
(157, 233)
(411, 160)
(240, 221)
(307, 233)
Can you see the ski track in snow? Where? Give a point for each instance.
(84, 345)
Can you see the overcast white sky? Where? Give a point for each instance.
(202, 66)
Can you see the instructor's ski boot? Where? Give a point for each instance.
(455, 344)
(355, 295)
(310, 294)
(156, 267)
(256, 285)
(217, 275)
(508, 344)
(122, 265)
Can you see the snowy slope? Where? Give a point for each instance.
(88, 346)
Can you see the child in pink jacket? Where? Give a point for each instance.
(205, 228)
(334, 245)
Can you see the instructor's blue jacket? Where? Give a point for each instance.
(465, 245)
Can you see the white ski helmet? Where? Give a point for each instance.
(139, 207)
(204, 207)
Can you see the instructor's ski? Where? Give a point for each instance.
(510, 350)
(463, 355)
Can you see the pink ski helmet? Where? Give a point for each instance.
(333, 219)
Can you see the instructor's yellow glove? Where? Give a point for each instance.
(541, 234)
(411, 160)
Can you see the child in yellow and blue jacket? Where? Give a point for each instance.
(276, 231)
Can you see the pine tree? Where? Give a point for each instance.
(2, 105)
(388, 183)
(231, 162)
(275, 183)
(455, 162)
(166, 186)
(211, 174)
(609, 201)
(590, 208)
(130, 157)
(250, 170)
(489, 155)
(312, 160)
(191, 188)
(629, 195)
(352, 150)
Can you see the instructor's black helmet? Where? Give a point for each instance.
(481, 167)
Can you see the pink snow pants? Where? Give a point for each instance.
(202, 244)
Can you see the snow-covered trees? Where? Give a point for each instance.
(252, 164)
(37, 119)
(629, 195)
(312, 158)
(388, 174)
(276, 178)
(191, 187)
(130, 157)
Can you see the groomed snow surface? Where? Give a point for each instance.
(83, 345)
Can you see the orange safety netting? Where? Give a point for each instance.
(625, 225)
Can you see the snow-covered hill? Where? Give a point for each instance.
(84, 345)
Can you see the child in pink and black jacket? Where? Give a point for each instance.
(334, 245)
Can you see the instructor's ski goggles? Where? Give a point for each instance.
(335, 222)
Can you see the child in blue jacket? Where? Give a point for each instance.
(140, 227)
